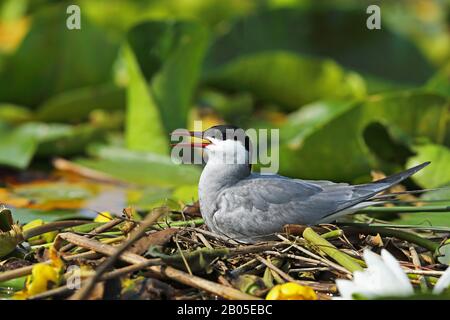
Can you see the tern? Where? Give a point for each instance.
(250, 207)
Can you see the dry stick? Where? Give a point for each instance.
(309, 269)
(327, 262)
(214, 236)
(52, 226)
(285, 276)
(100, 229)
(424, 272)
(204, 241)
(254, 248)
(169, 272)
(98, 248)
(19, 272)
(186, 264)
(138, 233)
(88, 255)
(299, 258)
(417, 265)
(245, 267)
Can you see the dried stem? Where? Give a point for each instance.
(167, 271)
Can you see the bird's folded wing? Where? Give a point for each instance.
(268, 202)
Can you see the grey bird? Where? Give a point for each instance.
(250, 207)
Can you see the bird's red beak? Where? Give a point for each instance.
(193, 134)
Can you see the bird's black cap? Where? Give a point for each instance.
(227, 131)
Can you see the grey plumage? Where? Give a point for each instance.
(249, 207)
(255, 207)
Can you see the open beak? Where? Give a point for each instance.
(193, 134)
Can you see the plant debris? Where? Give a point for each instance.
(183, 260)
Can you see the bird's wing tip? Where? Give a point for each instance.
(422, 165)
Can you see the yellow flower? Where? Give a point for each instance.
(103, 217)
(291, 291)
(43, 276)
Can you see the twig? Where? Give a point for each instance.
(169, 272)
(417, 265)
(300, 258)
(52, 226)
(214, 236)
(424, 272)
(399, 234)
(89, 255)
(19, 272)
(280, 272)
(285, 276)
(100, 229)
(203, 240)
(327, 262)
(138, 233)
(309, 269)
(186, 264)
(183, 223)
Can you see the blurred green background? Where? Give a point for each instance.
(346, 99)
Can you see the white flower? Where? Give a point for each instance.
(383, 277)
(443, 282)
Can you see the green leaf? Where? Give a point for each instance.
(444, 253)
(14, 284)
(310, 118)
(436, 197)
(25, 215)
(144, 128)
(140, 168)
(440, 82)
(342, 148)
(19, 145)
(286, 78)
(11, 113)
(163, 61)
(61, 139)
(52, 59)
(438, 173)
(327, 33)
(75, 105)
(16, 147)
(127, 13)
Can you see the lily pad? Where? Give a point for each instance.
(76, 59)
(326, 33)
(163, 61)
(75, 105)
(141, 168)
(16, 147)
(20, 144)
(287, 78)
(438, 173)
(339, 148)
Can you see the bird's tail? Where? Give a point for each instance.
(369, 191)
(386, 183)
